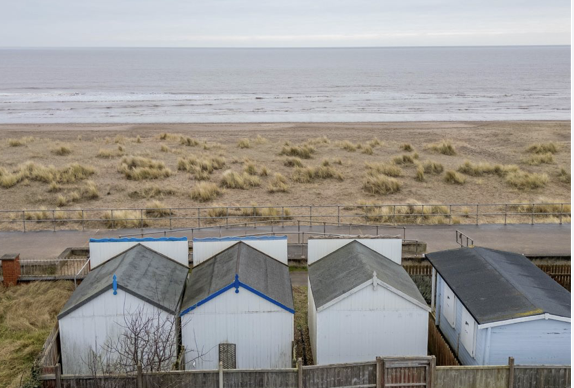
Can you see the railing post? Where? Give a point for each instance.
(112, 218)
(505, 212)
(282, 216)
(477, 213)
(220, 374)
(227, 218)
(532, 215)
(311, 216)
(299, 373)
(338, 215)
(58, 375)
(54, 219)
(141, 219)
(510, 372)
(395, 215)
(24, 219)
(450, 214)
(561, 211)
(198, 218)
(82, 219)
(170, 213)
(324, 227)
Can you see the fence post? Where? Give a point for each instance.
(395, 215)
(198, 218)
(227, 219)
(338, 215)
(510, 372)
(58, 374)
(282, 217)
(24, 219)
(220, 374)
(82, 219)
(311, 216)
(54, 219)
(139, 377)
(170, 213)
(477, 213)
(532, 215)
(299, 373)
(561, 211)
(432, 372)
(450, 214)
(505, 212)
(379, 372)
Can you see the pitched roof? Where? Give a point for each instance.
(140, 271)
(496, 285)
(352, 265)
(239, 266)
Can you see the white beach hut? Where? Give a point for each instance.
(139, 284)
(238, 309)
(363, 305)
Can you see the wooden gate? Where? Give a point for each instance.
(405, 372)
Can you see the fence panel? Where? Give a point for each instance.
(340, 375)
(541, 376)
(473, 377)
(438, 347)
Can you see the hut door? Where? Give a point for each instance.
(228, 355)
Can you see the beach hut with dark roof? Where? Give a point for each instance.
(139, 283)
(491, 305)
(238, 308)
(363, 305)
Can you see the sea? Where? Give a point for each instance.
(186, 85)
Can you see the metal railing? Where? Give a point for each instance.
(381, 214)
(463, 240)
(54, 268)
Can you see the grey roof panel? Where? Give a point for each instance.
(140, 271)
(352, 265)
(254, 268)
(496, 285)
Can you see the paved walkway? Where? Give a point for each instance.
(531, 240)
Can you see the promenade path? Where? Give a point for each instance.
(532, 240)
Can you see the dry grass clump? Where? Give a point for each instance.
(234, 180)
(106, 153)
(431, 167)
(303, 152)
(543, 148)
(260, 140)
(411, 213)
(523, 180)
(40, 173)
(274, 214)
(278, 184)
(543, 205)
(368, 150)
(420, 176)
(90, 191)
(138, 168)
(318, 141)
(348, 146)
(122, 219)
(21, 142)
(445, 147)
(119, 139)
(27, 315)
(564, 176)
(375, 143)
(407, 147)
(244, 143)
(207, 164)
(169, 136)
(165, 148)
(293, 162)
(188, 141)
(217, 212)
(138, 139)
(381, 184)
(264, 171)
(384, 168)
(156, 209)
(62, 150)
(454, 177)
(250, 168)
(149, 192)
(538, 159)
(480, 169)
(310, 174)
(404, 159)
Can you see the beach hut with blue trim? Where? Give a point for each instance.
(140, 283)
(238, 308)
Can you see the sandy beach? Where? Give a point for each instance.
(503, 143)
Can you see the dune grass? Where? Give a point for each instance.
(62, 150)
(20, 142)
(411, 213)
(444, 147)
(164, 148)
(348, 146)
(480, 169)
(523, 180)
(293, 162)
(543, 148)
(138, 168)
(156, 209)
(404, 159)
(149, 192)
(367, 150)
(454, 178)
(407, 147)
(420, 173)
(375, 143)
(243, 181)
(311, 174)
(244, 143)
(169, 136)
(303, 152)
(381, 185)
(205, 192)
(200, 166)
(538, 159)
(384, 168)
(27, 316)
(278, 184)
(431, 167)
(123, 219)
(188, 141)
(323, 140)
(46, 174)
(564, 176)
(250, 168)
(260, 140)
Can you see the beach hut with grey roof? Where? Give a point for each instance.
(238, 308)
(139, 286)
(363, 305)
(491, 305)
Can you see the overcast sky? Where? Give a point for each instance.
(282, 23)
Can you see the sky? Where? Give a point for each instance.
(282, 23)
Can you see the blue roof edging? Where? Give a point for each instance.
(245, 238)
(136, 239)
(236, 284)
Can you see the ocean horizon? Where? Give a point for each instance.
(214, 85)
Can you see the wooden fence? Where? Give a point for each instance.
(438, 346)
(382, 373)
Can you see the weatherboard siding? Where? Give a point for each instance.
(93, 325)
(391, 248)
(367, 324)
(312, 319)
(534, 342)
(262, 332)
(100, 252)
(205, 249)
(452, 334)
